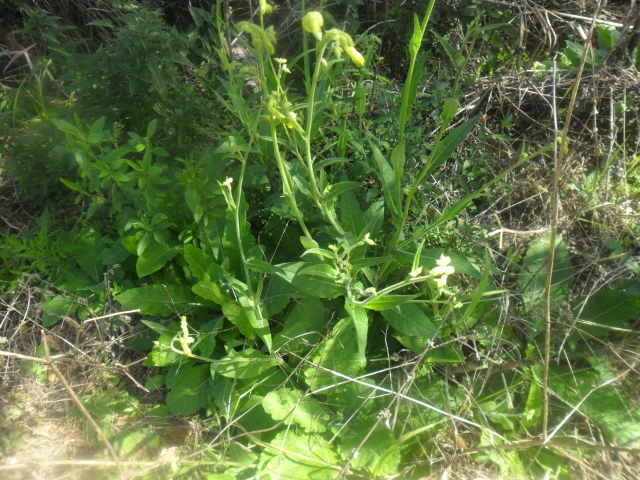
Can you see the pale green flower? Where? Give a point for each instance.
(313, 23)
(367, 239)
(356, 56)
(185, 339)
(443, 269)
(265, 8)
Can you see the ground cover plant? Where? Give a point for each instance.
(239, 258)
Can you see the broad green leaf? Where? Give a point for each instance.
(410, 320)
(154, 257)
(211, 291)
(57, 308)
(534, 274)
(190, 393)
(388, 301)
(292, 456)
(321, 253)
(248, 363)
(360, 322)
(288, 405)
(236, 315)
(303, 326)
(451, 354)
(373, 452)
(75, 186)
(322, 164)
(202, 266)
(309, 243)
(338, 353)
(499, 412)
(388, 179)
(162, 300)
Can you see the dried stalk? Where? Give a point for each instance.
(554, 219)
(78, 402)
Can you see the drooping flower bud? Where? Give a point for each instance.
(313, 23)
(265, 8)
(355, 55)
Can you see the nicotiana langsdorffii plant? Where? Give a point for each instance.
(287, 296)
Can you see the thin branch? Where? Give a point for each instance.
(111, 315)
(79, 403)
(554, 216)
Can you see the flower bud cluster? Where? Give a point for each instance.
(442, 271)
(279, 110)
(342, 42)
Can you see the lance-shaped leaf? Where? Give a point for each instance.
(388, 179)
(360, 322)
(248, 363)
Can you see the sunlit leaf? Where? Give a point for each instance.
(247, 363)
(288, 405)
(157, 299)
(293, 456)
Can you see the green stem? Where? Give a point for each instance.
(317, 196)
(392, 288)
(395, 239)
(286, 180)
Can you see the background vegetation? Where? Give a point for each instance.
(380, 240)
